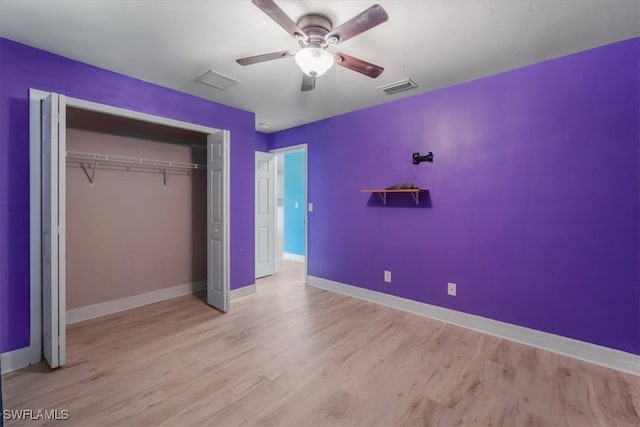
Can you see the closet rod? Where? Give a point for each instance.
(134, 161)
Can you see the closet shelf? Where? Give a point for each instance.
(165, 166)
(382, 193)
(134, 161)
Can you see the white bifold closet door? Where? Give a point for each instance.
(217, 221)
(53, 229)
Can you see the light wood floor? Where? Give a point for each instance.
(294, 355)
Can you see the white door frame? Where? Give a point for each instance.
(291, 149)
(35, 188)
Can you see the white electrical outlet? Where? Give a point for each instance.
(310, 207)
(451, 289)
(296, 205)
(387, 276)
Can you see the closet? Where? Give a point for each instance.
(127, 208)
(136, 213)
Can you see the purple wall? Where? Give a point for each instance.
(262, 142)
(534, 196)
(23, 67)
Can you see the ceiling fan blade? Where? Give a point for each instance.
(308, 83)
(265, 57)
(273, 10)
(358, 65)
(360, 23)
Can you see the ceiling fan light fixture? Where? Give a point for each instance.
(314, 61)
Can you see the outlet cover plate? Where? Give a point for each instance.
(451, 289)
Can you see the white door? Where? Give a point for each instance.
(265, 214)
(217, 220)
(53, 229)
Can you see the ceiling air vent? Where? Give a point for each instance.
(396, 87)
(217, 80)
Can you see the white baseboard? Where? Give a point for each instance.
(293, 257)
(243, 292)
(16, 359)
(110, 307)
(596, 354)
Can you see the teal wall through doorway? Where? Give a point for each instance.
(294, 203)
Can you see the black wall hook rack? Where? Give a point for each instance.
(417, 158)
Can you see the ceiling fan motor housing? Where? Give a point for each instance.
(316, 27)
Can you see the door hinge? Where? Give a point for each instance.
(59, 230)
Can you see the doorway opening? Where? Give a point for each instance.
(292, 207)
(281, 211)
(291, 202)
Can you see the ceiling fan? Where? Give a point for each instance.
(315, 33)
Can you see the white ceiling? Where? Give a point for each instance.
(435, 43)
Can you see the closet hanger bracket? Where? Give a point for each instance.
(93, 170)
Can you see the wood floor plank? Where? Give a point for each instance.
(294, 355)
